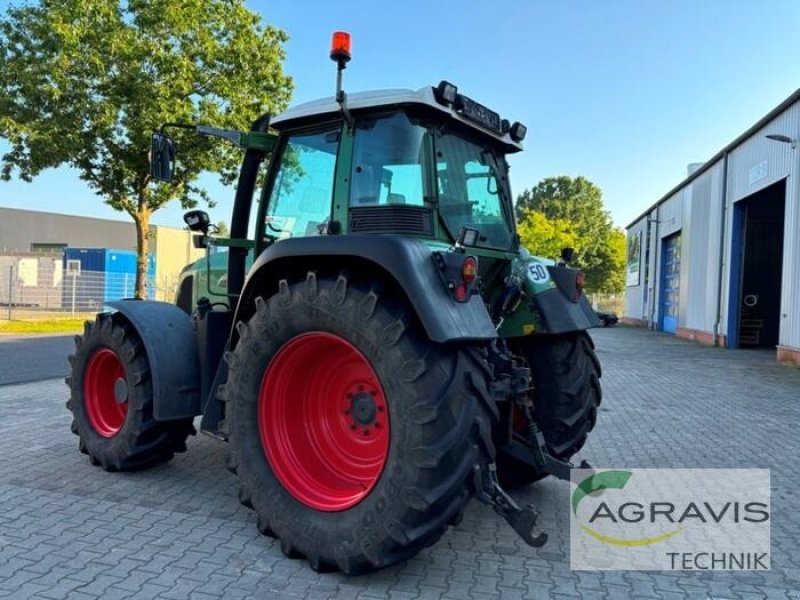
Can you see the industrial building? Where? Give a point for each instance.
(37, 243)
(717, 259)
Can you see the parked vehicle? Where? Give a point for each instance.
(607, 318)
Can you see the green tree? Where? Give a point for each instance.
(222, 229)
(615, 264)
(543, 236)
(85, 82)
(579, 202)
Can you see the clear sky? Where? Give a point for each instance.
(624, 92)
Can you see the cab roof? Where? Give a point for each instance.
(362, 101)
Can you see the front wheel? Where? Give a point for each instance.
(351, 432)
(111, 400)
(566, 393)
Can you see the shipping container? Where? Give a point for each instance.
(95, 276)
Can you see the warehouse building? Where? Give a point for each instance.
(35, 242)
(717, 259)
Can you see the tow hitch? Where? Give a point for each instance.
(522, 520)
(515, 386)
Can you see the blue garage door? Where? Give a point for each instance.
(670, 283)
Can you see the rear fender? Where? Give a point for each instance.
(169, 341)
(406, 261)
(553, 304)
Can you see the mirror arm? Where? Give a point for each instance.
(234, 137)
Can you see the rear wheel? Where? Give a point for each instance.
(351, 433)
(111, 400)
(566, 393)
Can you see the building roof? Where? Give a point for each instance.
(384, 98)
(711, 161)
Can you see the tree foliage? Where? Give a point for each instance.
(85, 82)
(543, 236)
(576, 205)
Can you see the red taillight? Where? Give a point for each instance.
(340, 46)
(469, 270)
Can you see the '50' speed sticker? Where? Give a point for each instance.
(538, 273)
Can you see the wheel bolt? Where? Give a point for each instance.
(377, 424)
(365, 432)
(380, 409)
(352, 426)
(361, 388)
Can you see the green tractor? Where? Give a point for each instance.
(374, 344)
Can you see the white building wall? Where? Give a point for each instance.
(696, 210)
(702, 250)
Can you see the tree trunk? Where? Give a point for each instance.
(142, 220)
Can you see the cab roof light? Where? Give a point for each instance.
(340, 47)
(446, 92)
(518, 131)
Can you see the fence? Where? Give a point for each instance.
(39, 286)
(609, 303)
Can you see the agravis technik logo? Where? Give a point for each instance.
(669, 519)
(603, 481)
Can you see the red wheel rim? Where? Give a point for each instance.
(103, 373)
(324, 421)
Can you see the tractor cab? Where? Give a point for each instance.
(423, 163)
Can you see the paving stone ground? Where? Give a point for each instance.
(72, 531)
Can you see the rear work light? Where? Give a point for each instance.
(445, 93)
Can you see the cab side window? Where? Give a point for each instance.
(300, 202)
(388, 158)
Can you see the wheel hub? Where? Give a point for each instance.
(363, 409)
(121, 390)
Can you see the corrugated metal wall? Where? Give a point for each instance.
(696, 211)
(701, 250)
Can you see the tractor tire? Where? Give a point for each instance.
(111, 400)
(566, 394)
(353, 435)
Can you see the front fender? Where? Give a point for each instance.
(407, 261)
(171, 346)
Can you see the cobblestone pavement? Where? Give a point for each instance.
(70, 530)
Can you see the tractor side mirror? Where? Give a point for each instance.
(197, 220)
(162, 157)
